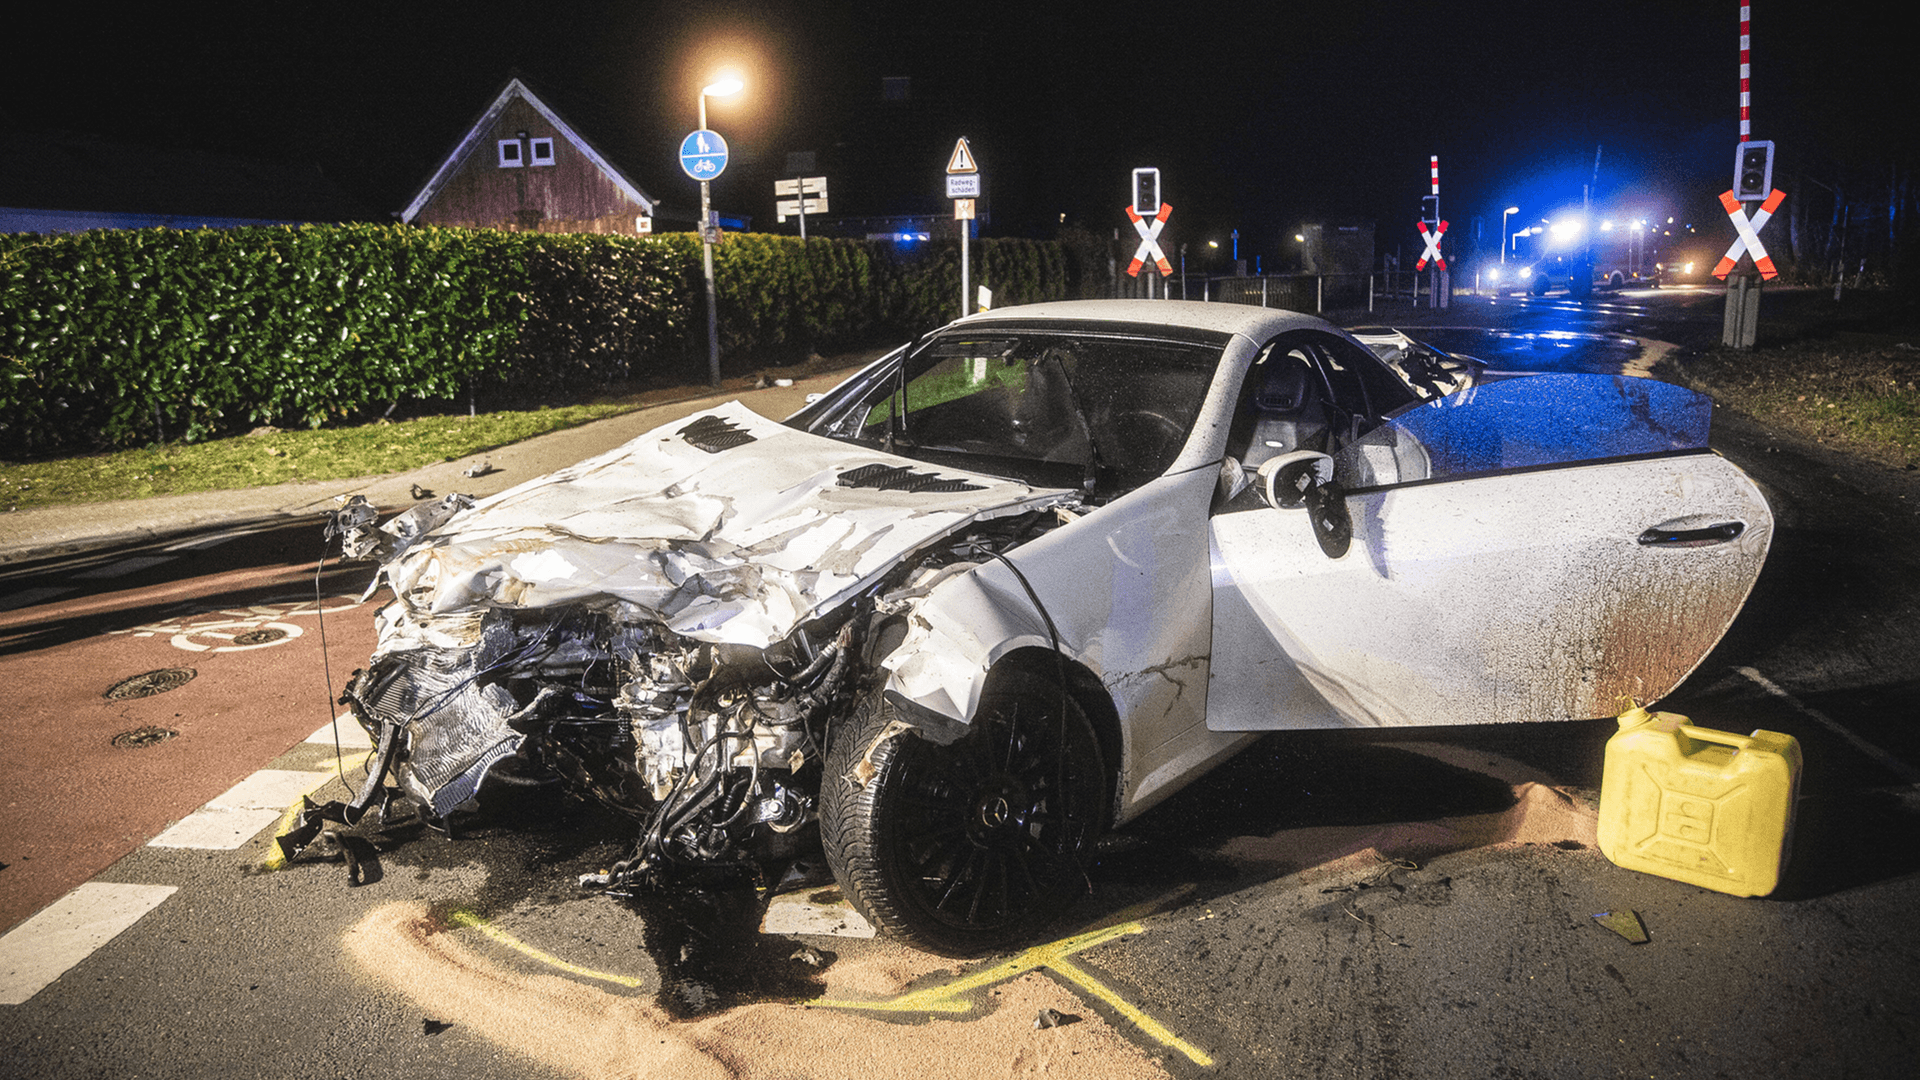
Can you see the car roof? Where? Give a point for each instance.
(1253, 322)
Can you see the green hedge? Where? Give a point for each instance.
(114, 337)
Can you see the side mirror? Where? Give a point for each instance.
(1285, 480)
(1305, 478)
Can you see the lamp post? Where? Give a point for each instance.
(725, 86)
(1504, 214)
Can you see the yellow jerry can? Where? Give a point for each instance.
(1706, 807)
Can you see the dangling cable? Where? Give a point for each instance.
(320, 613)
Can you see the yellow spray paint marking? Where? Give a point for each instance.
(277, 859)
(948, 997)
(468, 918)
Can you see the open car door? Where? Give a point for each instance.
(1530, 549)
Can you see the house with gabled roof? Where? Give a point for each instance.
(521, 167)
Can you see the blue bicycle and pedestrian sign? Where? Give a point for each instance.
(703, 154)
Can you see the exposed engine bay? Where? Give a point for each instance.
(713, 748)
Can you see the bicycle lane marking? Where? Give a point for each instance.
(240, 628)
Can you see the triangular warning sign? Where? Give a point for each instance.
(962, 159)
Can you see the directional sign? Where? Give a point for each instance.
(1748, 238)
(1150, 240)
(1432, 240)
(803, 185)
(963, 209)
(787, 208)
(962, 160)
(703, 154)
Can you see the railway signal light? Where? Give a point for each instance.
(1146, 192)
(1753, 171)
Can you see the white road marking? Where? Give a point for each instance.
(229, 632)
(126, 566)
(352, 735)
(222, 625)
(236, 816)
(1893, 764)
(46, 946)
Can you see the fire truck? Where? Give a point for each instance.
(1578, 251)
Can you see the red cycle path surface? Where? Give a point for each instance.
(72, 803)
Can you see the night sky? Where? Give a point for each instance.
(1260, 115)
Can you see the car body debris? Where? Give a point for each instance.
(1021, 580)
(1625, 922)
(1053, 1018)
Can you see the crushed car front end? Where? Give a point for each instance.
(666, 628)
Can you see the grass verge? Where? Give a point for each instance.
(1863, 398)
(276, 457)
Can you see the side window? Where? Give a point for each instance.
(1384, 392)
(1345, 375)
(1282, 405)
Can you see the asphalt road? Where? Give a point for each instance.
(1327, 904)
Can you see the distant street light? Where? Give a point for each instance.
(1504, 214)
(724, 86)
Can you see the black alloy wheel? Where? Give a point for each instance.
(974, 846)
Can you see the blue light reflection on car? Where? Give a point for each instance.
(1534, 421)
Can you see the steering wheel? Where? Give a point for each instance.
(1142, 440)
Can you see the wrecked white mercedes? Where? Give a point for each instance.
(1018, 582)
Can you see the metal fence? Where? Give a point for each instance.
(1314, 293)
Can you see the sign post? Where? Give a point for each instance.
(1741, 326)
(1440, 290)
(1752, 182)
(809, 197)
(703, 156)
(963, 186)
(1147, 205)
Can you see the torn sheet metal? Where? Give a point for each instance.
(727, 527)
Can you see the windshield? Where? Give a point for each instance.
(1525, 423)
(1060, 408)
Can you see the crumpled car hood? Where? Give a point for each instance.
(726, 526)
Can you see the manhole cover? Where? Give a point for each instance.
(260, 636)
(148, 683)
(142, 737)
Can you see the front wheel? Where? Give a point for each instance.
(974, 846)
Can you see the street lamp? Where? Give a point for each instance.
(1503, 232)
(724, 86)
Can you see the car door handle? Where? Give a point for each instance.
(1701, 537)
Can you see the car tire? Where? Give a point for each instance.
(974, 846)
(1538, 286)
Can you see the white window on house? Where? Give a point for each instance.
(510, 156)
(540, 152)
